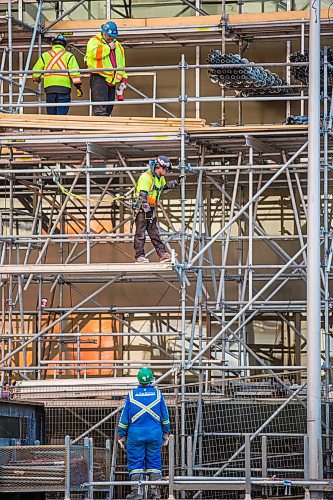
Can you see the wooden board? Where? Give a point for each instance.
(97, 124)
(164, 22)
(96, 119)
(266, 17)
(161, 22)
(16, 1)
(118, 125)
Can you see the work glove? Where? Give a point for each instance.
(122, 86)
(172, 184)
(146, 207)
(120, 91)
(79, 91)
(165, 440)
(122, 442)
(36, 80)
(112, 45)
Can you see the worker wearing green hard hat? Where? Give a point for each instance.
(145, 376)
(144, 426)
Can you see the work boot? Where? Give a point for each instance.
(136, 489)
(154, 492)
(165, 257)
(142, 260)
(135, 495)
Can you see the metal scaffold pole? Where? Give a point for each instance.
(10, 53)
(313, 264)
(222, 324)
(28, 60)
(183, 99)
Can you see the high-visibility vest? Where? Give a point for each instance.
(98, 57)
(152, 184)
(57, 59)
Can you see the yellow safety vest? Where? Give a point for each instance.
(152, 184)
(57, 59)
(98, 57)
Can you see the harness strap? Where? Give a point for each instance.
(153, 187)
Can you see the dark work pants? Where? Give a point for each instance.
(57, 98)
(101, 91)
(142, 225)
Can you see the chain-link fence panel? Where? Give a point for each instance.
(32, 468)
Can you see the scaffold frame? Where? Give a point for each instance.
(57, 185)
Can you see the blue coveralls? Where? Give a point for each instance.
(144, 420)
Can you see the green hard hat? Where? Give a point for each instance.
(145, 376)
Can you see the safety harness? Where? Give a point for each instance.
(152, 189)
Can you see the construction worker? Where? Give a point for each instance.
(148, 190)
(58, 85)
(103, 52)
(144, 426)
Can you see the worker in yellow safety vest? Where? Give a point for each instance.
(148, 190)
(58, 85)
(104, 52)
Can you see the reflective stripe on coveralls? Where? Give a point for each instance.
(144, 408)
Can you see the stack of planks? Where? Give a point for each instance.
(96, 124)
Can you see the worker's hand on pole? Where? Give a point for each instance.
(36, 80)
(79, 91)
(165, 440)
(122, 442)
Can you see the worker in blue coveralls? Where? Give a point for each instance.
(144, 426)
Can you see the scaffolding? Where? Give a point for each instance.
(237, 327)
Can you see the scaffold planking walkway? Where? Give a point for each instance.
(132, 141)
(189, 30)
(136, 32)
